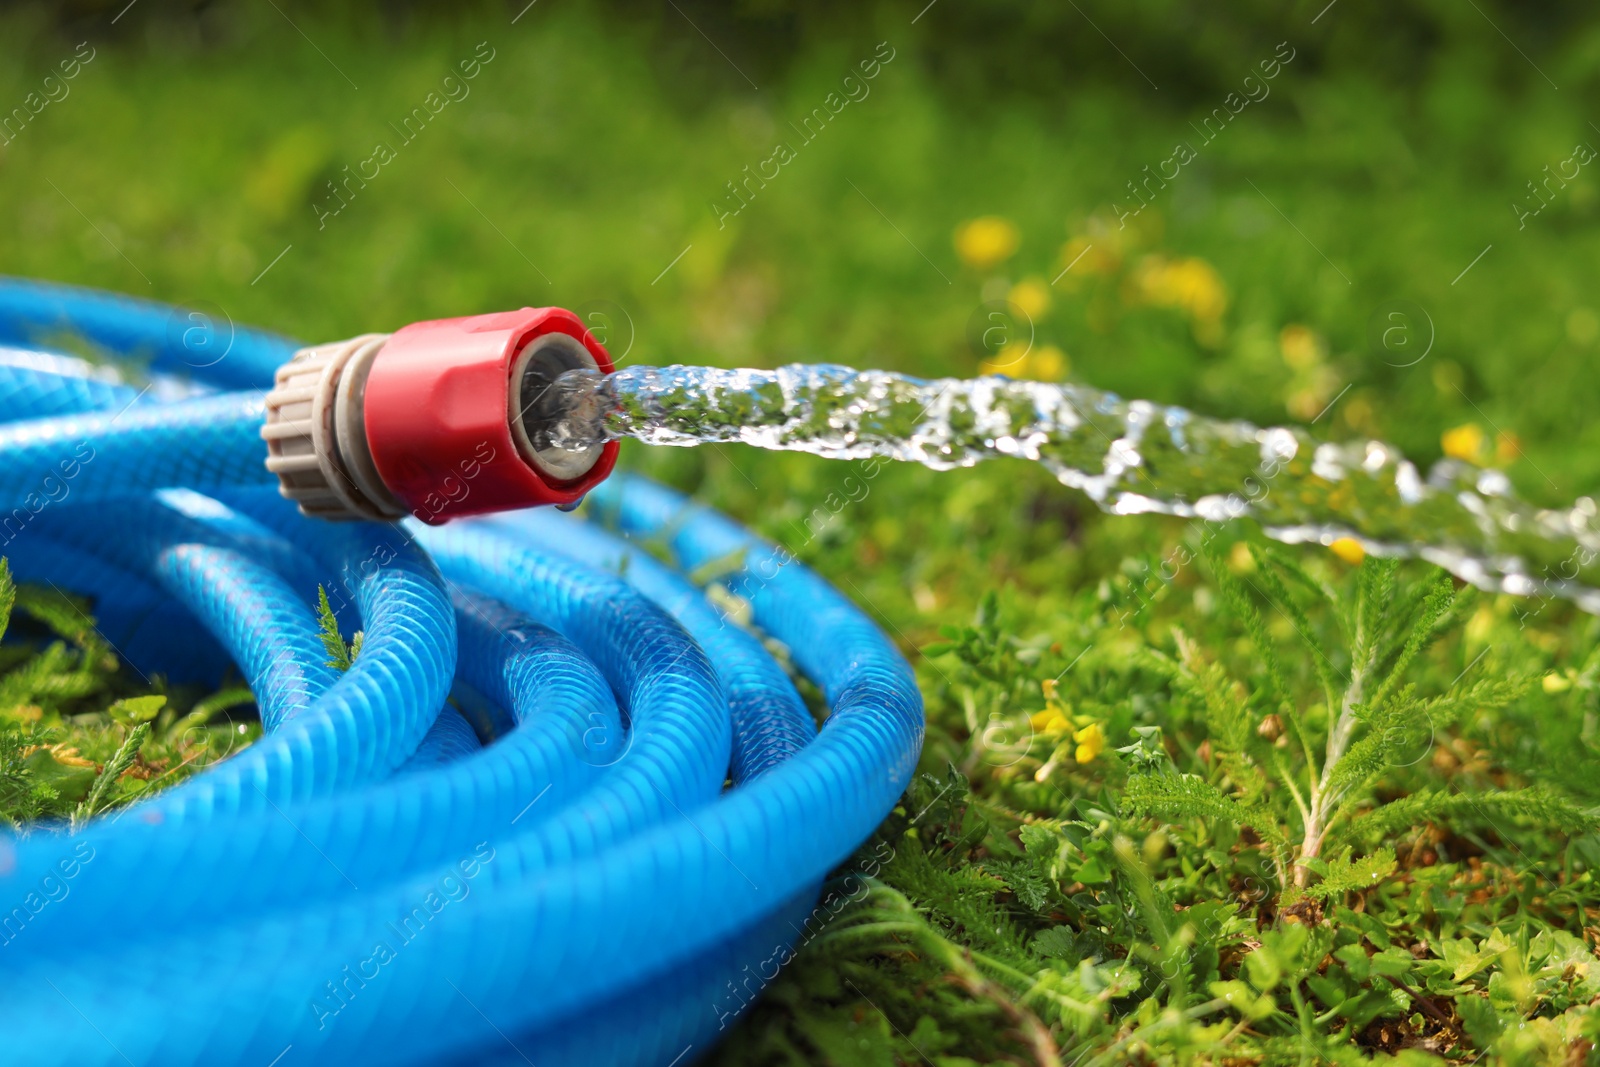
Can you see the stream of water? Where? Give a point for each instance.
(1129, 456)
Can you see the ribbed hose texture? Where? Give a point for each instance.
(624, 809)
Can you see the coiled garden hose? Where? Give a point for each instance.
(371, 882)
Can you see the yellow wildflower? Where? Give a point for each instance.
(1349, 550)
(1053, 718)
(1240, 561)
(1031, 297)
(1009, 360)
(1555, 683)
(1506, 448)
(1200, 289)
(1091, 742)
(1047, 363)
(1301, 348)
(1190, 284)
(987, 241)
(1464, 442)
(1049, 721)
(1044, 363)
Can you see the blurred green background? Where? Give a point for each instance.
(194, 157)
(196, 144)
(1429, 160)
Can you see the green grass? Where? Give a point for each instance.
(1022, 904)
(80, 734)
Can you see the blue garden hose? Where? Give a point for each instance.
(371, 882)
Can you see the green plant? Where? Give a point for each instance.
(1300, 760)
(77, 736)
(1159, 898)
(341, 653)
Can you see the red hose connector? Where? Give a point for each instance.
(436, 420)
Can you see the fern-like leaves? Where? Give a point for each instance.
(106, 780)
(340, 654)
(1533, 805)
(1345, 875)
(1182, 796)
